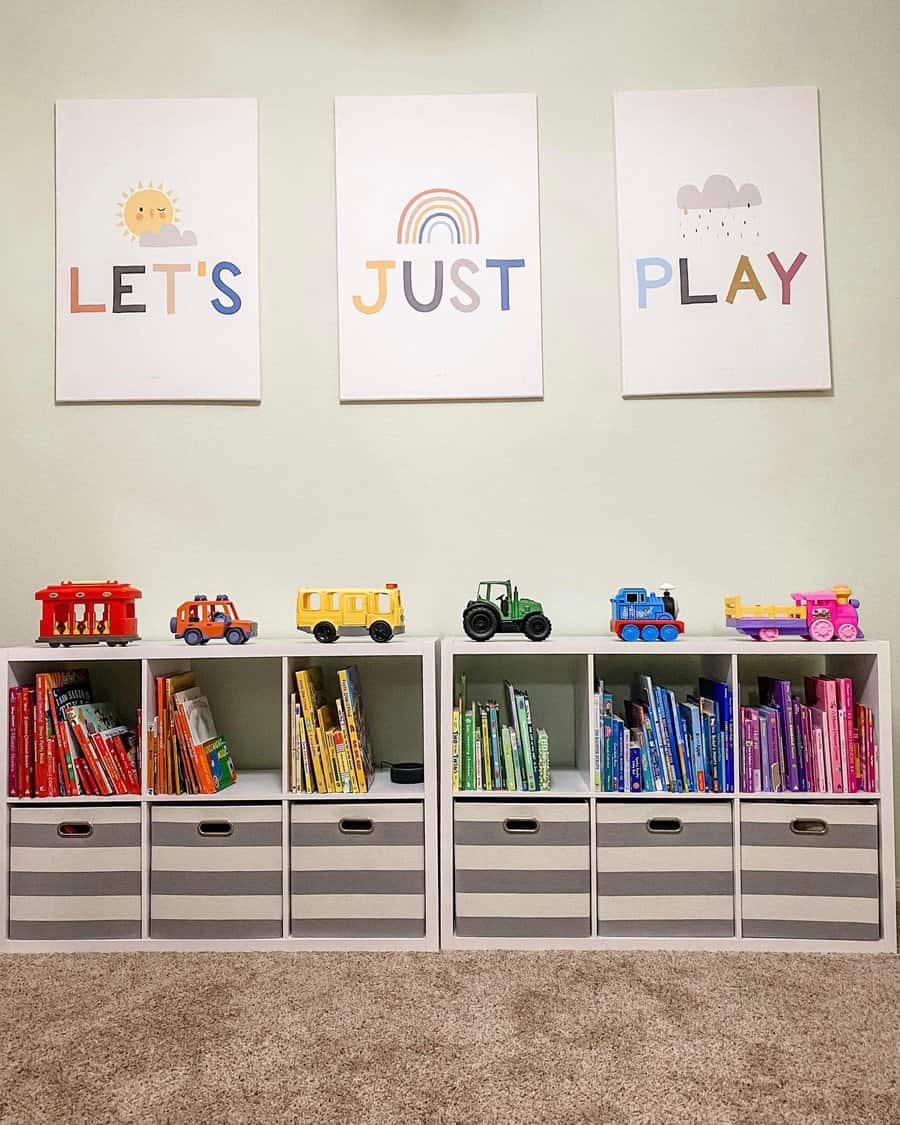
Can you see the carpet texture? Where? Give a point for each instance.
(494, 1037)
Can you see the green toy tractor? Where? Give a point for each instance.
(497, 608)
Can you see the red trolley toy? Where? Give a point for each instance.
(88, 613)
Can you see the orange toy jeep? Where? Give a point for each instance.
(206, 619)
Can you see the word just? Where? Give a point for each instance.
(744, 278)
(469, 300)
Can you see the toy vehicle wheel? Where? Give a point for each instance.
(193, 636)
(848, 632)
(480, 622)
(649, 633)
(668, 633)
(325, 633)
(768, 634)
(235, 636)
(380, 632)
(536, 627)
(821, 630)
(630, 633)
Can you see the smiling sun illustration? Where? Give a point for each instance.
(143, 210)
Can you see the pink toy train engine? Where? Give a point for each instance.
(819, 615)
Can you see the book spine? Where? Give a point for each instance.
(496, 752)
(598, 742)
(110, 765)
(509, 764)
(530, 779)
(41, 786)
(12, 745)
(479, 761)
(454, 741)
(468, 751)
(516, 748)
(88, 752)
(359, 766)
(669, 755)
(28, 740)
(532, 738)
(132, 780)
(633, 745)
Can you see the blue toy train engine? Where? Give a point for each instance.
(641, 615)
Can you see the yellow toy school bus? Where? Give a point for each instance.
(326, 613)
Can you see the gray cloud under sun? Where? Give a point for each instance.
(168, 235)
(718, 191)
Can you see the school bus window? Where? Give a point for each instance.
(312, 601)
(335, 601)
(383, 603)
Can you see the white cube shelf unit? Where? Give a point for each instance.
(577, 869)
(348, 892)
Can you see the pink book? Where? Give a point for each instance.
(13, 745)
(813, 782)
(873, 748)
(820, 727)
(822, 691)
(819, 745)
(845, 711)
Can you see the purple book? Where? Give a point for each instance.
(777, 694)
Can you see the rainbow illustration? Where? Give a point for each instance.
(438, 209)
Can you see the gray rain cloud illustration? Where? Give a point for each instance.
(718, 192)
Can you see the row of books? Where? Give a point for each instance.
(489, 754)
(330, 751)
(185, 752)
(825, 744)
(64, 744)
(663, 745)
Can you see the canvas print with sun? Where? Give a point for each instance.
(148, 214)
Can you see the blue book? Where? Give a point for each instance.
(690, 717)
(647, 697)
(721, 693)
(633, 740)
(681, 741)
(637, 716)
(662, 703)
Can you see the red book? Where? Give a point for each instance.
(104, 786)
(116, 741)
(88, 785)
(108, 761)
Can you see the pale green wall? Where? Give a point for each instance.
(573, 495)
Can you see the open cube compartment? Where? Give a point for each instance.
(392, 693)
(245, 698)
(559, 691)
(116, 680)
(672, 668)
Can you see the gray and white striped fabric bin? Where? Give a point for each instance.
(665, 869)
(810, 870)
(522, 869)
(75, 872)
(358, 869)
(216, 871)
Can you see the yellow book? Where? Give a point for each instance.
(318, 759)
(357, 773)
(487, 768)
(352, 730)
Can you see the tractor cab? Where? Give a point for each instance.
(500, 594)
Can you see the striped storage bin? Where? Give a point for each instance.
(75, 872)
(215, 871)
(810, 870)
(522, 869)
(358, 869)
(665, 869)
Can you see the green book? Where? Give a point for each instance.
(530, 779)
(467, 779)
(508, 763)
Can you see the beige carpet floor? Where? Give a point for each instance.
(401, 1038)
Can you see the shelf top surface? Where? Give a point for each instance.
(609, 645)
(177, 650)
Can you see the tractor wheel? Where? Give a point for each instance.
(480, 622)
(536, 627)
(325, 633)
(380, 632)
(193, 636)
(235, 636)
